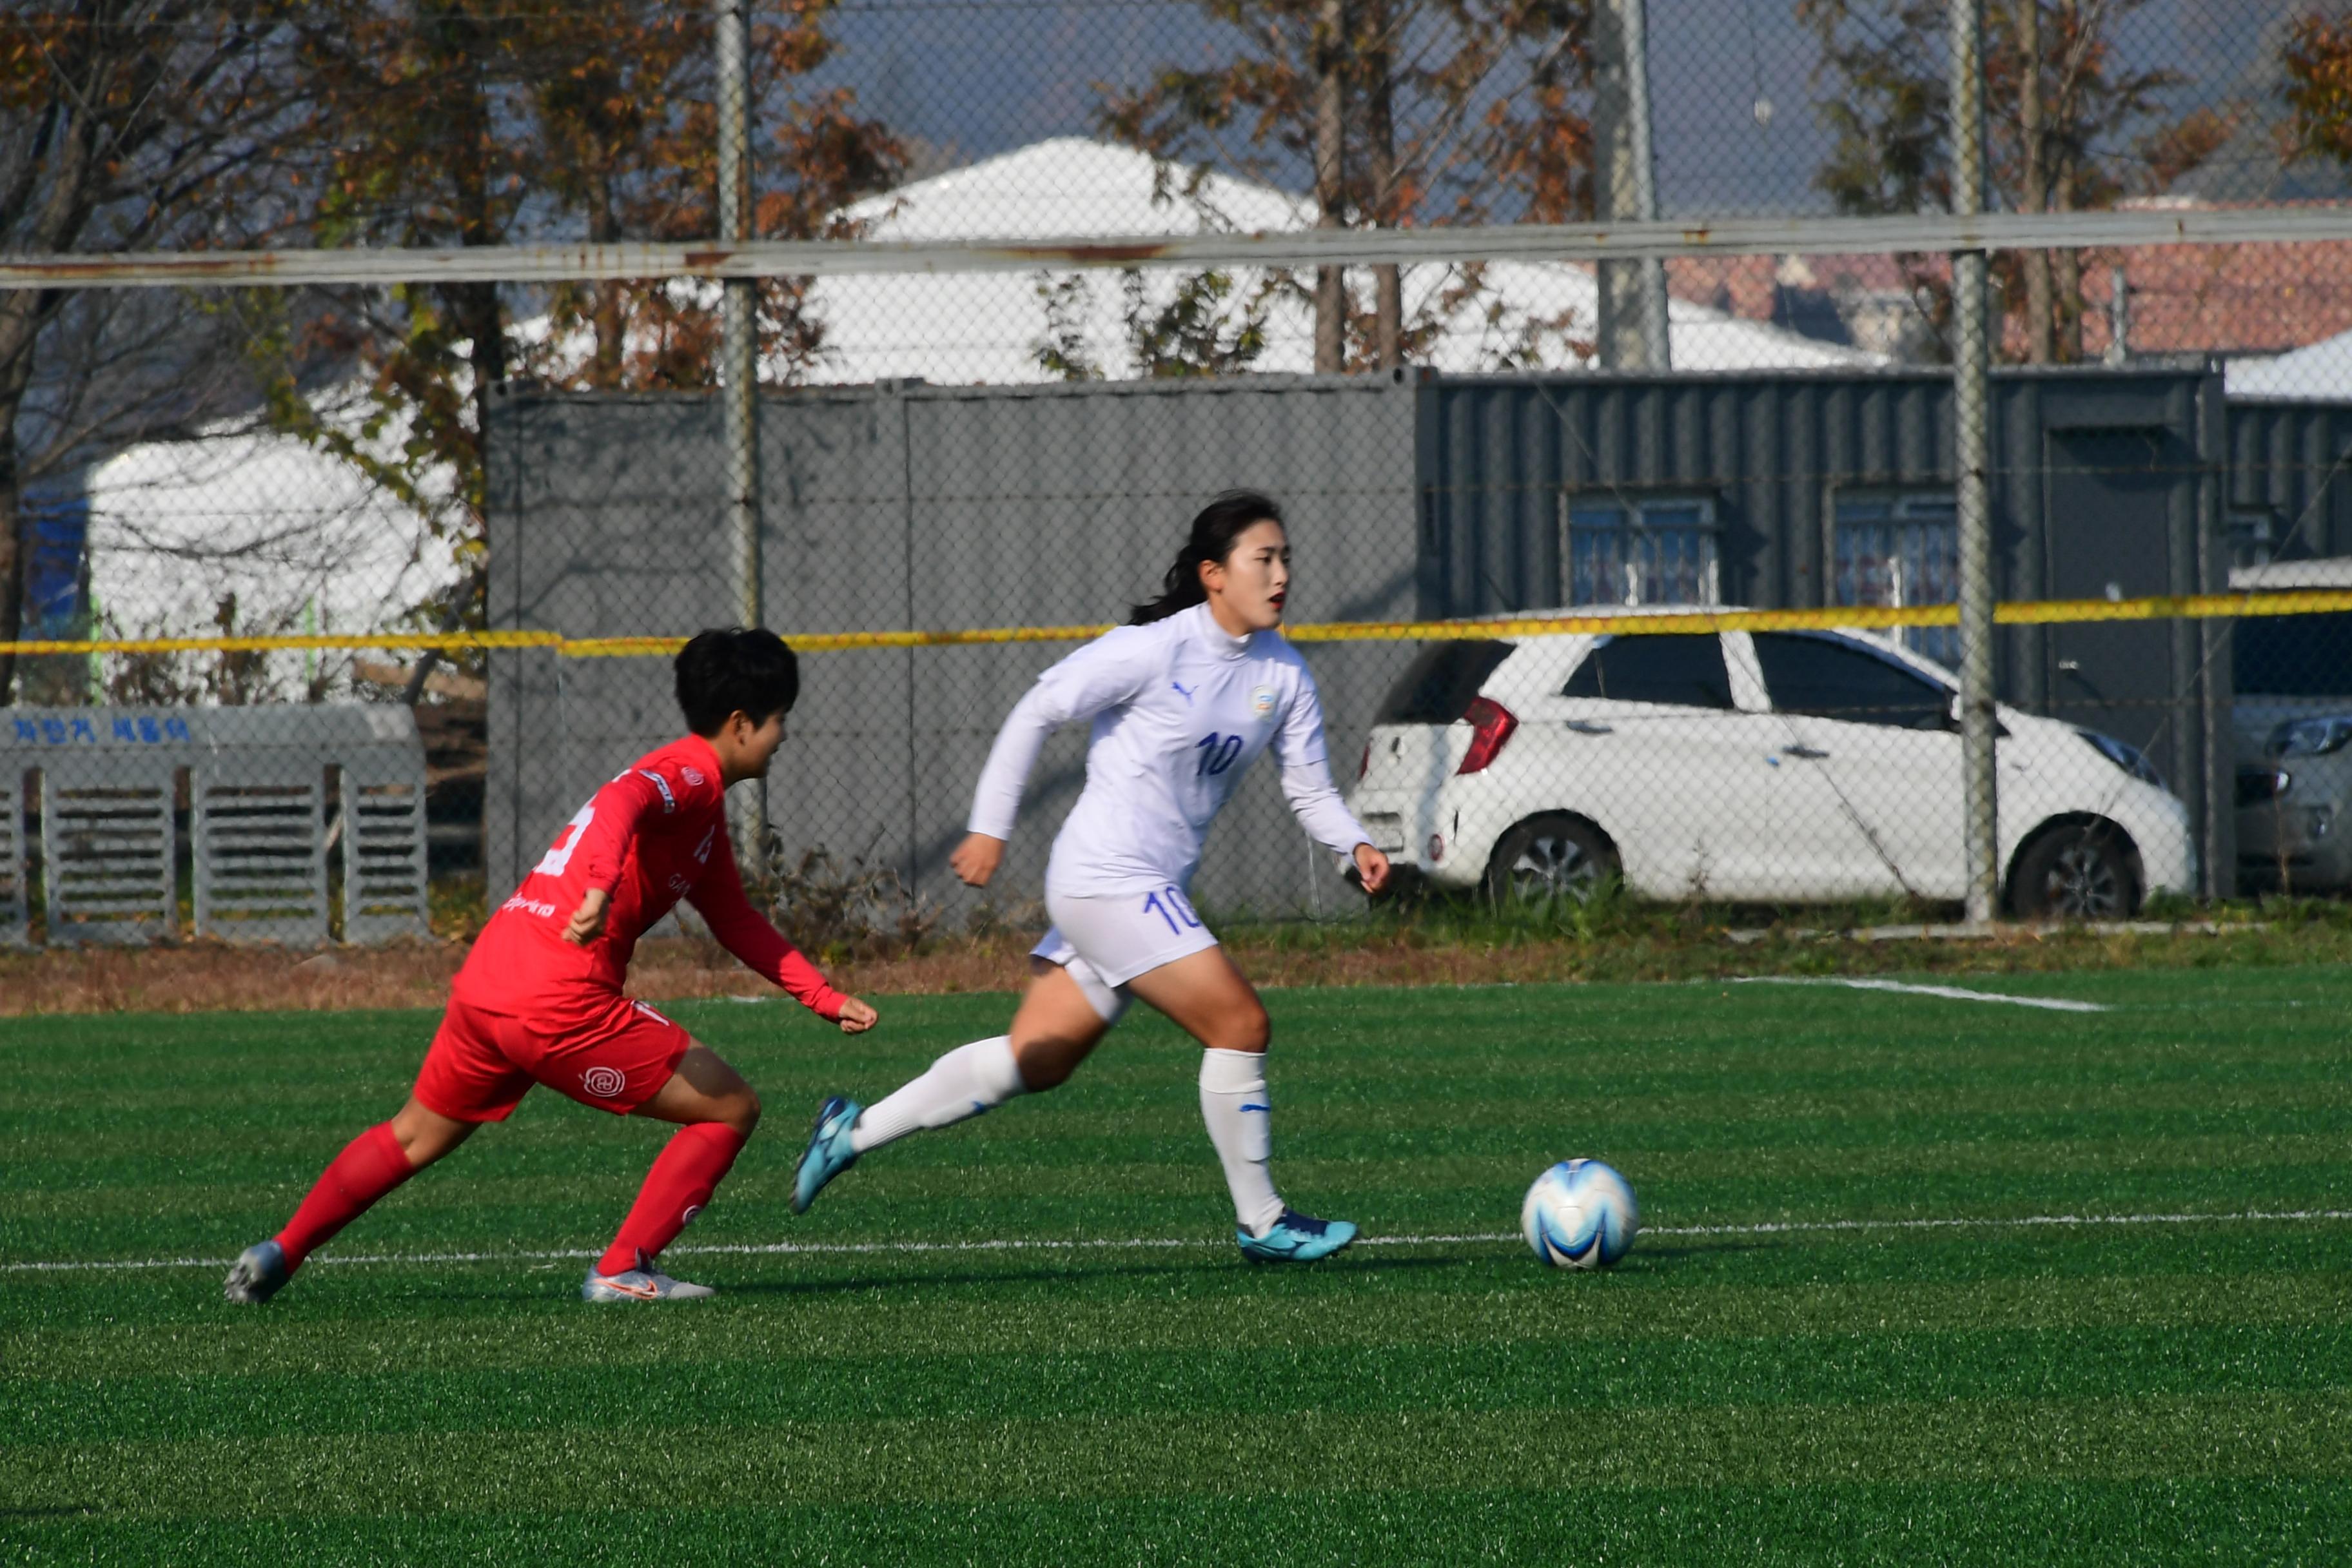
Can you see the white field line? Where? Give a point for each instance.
(1138, 1244)
(1950, 993)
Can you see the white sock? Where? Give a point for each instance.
(966, 1081)
(1240, 1116)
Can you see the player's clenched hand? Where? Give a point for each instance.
(976, 859)
(856, 1016)
(1373, 867)
(587, 922)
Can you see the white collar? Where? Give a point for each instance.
(1222, 643)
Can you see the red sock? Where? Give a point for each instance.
(686, 1170)
(370, 1165)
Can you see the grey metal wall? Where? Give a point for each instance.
(2291, 464)
(903, 505)
(2083, 459)
(931, 507)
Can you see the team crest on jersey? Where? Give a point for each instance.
(692, 776)
(603, 1082)
(1262, 702)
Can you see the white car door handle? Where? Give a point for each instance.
(1805, 752)
(1587, 727)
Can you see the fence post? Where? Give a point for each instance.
(1972, 459)
(1633, 307)
(1657, 341)
(738, 380)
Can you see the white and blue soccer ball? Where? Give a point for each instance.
(1580, 1215)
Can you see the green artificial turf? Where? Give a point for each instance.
(927, 1381)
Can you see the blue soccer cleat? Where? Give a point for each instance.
(1296, 1239)
(258, 1273)
(829, 1152)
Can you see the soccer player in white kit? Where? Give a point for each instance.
(1181, 701)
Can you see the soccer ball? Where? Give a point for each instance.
(1580, 1215)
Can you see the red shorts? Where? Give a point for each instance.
(611, 1055)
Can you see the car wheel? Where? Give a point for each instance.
(2085, 871)
(1550, 858)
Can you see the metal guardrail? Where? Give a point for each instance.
(1624, 241)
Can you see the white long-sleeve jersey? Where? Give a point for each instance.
(1180, 709)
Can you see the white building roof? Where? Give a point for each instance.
(967, 328)
(2320, 370)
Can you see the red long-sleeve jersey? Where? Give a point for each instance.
(654, 835)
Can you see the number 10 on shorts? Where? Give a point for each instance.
(1170, 905)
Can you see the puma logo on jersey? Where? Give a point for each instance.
(1181, 690)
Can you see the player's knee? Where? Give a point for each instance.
(1042, 1070)
(745, 1110)
(425, 1136)
(1244, 1029)
(1045, 1064)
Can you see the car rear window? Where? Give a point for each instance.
(1684, 669)
(1437, 687)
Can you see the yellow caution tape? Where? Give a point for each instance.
(440, 642)
(829, 642)
(2028, 612)
(2033, 612)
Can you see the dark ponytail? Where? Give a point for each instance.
(1220, 523)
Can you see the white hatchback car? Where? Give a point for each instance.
(1762, 766)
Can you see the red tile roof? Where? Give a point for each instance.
(2184, 299)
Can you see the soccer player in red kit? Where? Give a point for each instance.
(540, 1001)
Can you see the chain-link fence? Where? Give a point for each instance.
(315, 588)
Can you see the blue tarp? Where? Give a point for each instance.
(56, 568)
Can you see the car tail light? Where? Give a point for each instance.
(1491, 724)
(1366, 765)
(2256, 785)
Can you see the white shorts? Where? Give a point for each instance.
(1103, 942)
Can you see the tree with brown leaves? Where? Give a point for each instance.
(1401, 112)
(476, 122)
(2317, 87)
(2069, 127)
(123, 126)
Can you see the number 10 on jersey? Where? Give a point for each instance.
(1171, 906)
(1217, 753)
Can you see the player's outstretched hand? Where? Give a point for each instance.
(856, 1016)
(976, 859)
(1373, 867)
(587, 922)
